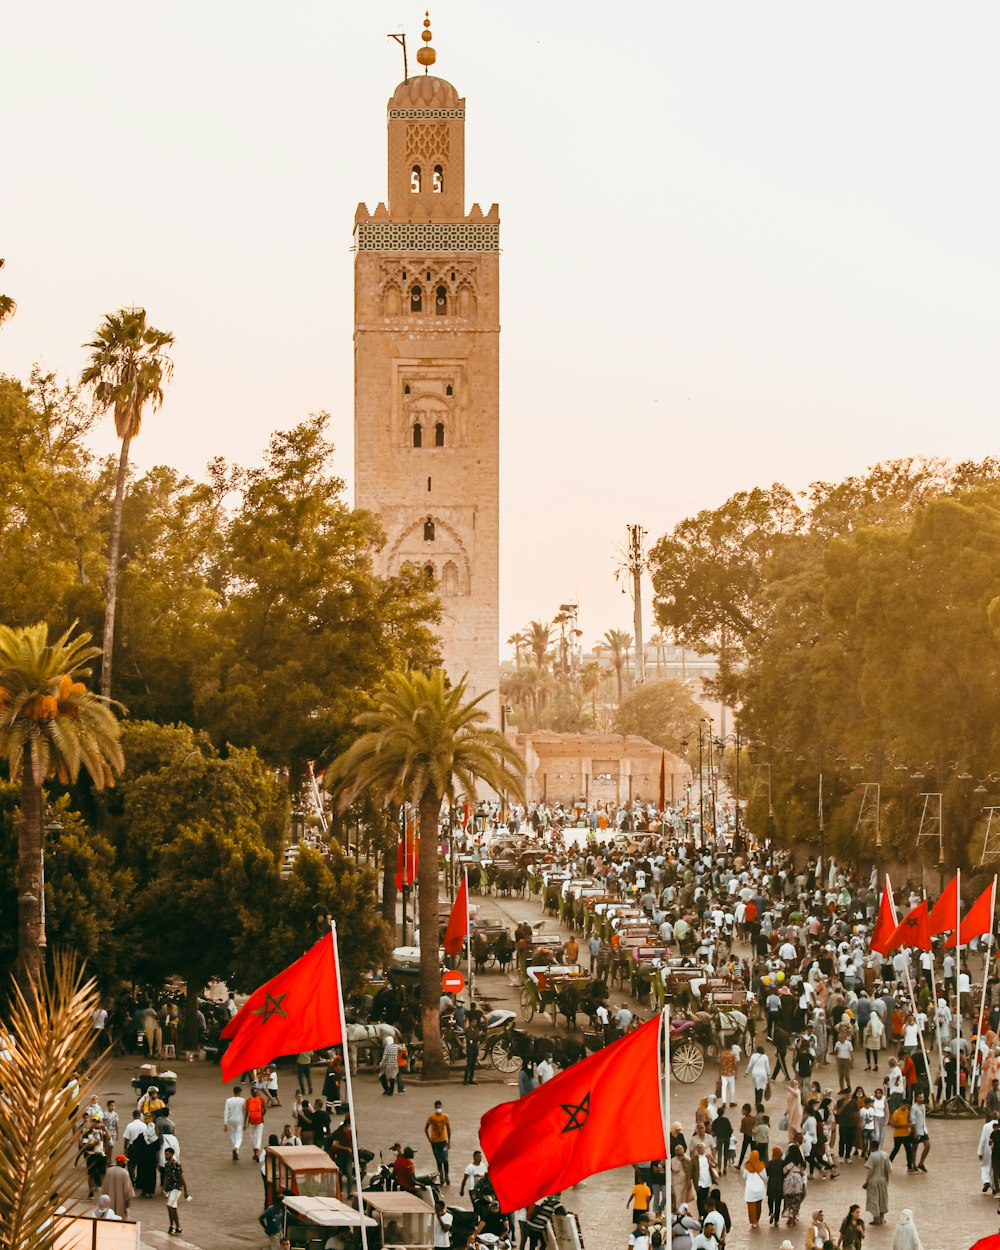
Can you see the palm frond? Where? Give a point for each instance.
(51, 1031)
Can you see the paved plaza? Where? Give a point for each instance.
(949, 1208)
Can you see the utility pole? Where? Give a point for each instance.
(636, 562)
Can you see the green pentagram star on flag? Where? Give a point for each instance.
(272, 1007)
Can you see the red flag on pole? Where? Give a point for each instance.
(944, 911)
(912, 930)
(978, 919)
(297, 1010)
(412, 849)
(885, 924)
(599, 1114)
(988, 1243)
(458, 921)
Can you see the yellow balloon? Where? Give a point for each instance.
(780, 976)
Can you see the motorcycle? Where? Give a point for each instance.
(383, 1180)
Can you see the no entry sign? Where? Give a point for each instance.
(453, 982)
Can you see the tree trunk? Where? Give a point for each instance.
(114, 552)
(30, 881)
(389, 887)
(618, 675)
(434, 1065)
(189, 1024)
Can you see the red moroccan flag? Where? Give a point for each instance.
(978, 919)
(912, 930)
(988, 1243)
(412, 852)
(944, 913)
(297, 1010)
(885, 924)
(599, 1114)
(458, 921)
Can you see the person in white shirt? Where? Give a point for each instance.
(233, 1117)
(443, 1220)
(544, 1070)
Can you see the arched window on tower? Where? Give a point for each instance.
(448, 390)
(429, 570)
(415, 180)
(439, 434)
(441, 301)
(428, 531)
(416, 299)
(418, 434)
(437, 181)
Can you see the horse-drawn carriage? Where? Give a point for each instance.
(491, 944)
(496, 1046)
(542, 985)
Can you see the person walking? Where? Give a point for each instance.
(874, 1039)
(389, 1067)
(173, 1186)
(303, 1069)
(254, 1111)
(754, 1187)
(876, 1186)
(233, 1119)
(775, 1170)
(920, 1136)
(906, 1236)
(818, 1234)
(681, 1184)
(902, 1132)
(473, 1036)
(437, 1130)
(759, 1072)
(118, 1187)
(852, 1230)
(727, 1077)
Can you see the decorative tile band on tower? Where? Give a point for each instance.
(427, 114)
(428, 236)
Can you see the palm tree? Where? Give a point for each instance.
(8, 305)
(50, 726)
(425, 743)
(517, 641)
(618, 643)
(539, 640)
(128, 369)
(591, 680)
(659, 641)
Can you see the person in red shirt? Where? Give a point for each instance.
(402, 1167)
(253, 1119)
(910, 1072)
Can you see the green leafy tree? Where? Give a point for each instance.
(539, 639)
(127, 372)
(660, 711)
(425, 743)
(51, 725)
(305, 629)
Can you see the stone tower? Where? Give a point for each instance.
(426, 383)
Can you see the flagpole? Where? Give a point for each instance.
(663, 1051)
(920, 1032)
(468, 940)
(938, 1028)
(958, 970)
(347, 1078)
(976, 1066)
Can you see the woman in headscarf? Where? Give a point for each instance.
(794, 1188)
(818, 1234)
(906, 1236)
(988, 1072)
(677, 1138)
(146, 1150)
(793, 1110)
(775, 1185)
(754, 1187)
(681, 1186)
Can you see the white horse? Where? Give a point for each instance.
(359, 1035)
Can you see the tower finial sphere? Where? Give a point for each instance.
(426, 56)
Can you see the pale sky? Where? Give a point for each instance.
(741, 242)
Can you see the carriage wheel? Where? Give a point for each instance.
(527, 1004)
(687, 1062)
(653, 1001)
(502, 1054)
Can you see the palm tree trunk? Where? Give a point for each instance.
(618, 674)
(30, 878)
(434, 1065)
(114, 551)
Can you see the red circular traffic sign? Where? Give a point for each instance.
(453, 982)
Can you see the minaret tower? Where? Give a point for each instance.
(426, 372)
